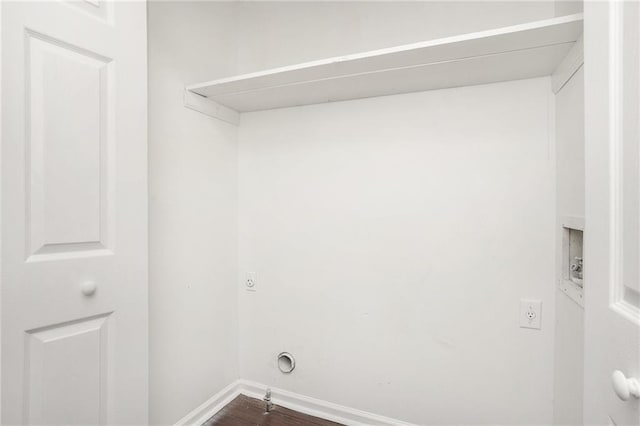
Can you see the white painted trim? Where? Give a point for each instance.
(294, 401)
(318, 408)
(569, 66)
(1, 203)
(211, 108)
(211, 406)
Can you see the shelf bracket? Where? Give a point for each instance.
(211, 108)
(568, 67)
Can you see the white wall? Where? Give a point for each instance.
(393, 239)
(192, 247)
(568, 7)
(391, 236)
(569, 327)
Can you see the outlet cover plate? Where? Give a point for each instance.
(531, 313)
(250, 281)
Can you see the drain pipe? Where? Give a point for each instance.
(268, 405)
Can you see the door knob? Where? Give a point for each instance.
(625, 388)
(89, 288)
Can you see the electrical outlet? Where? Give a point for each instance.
(530, 314)
(250, 281)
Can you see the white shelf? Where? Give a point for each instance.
(521, 51)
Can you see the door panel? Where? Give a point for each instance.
(612, 305)
(627, 163)
(67, 119)
(74, 210)
(57, 380)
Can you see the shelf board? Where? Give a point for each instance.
(521, 51)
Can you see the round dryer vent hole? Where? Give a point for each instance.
(286, 362)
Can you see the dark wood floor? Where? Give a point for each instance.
(245, 411)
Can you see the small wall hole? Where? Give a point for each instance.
(286, 362)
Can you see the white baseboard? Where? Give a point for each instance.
(207, 409)
(294, 401)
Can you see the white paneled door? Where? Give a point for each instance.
(74, 213)
(612, 228)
